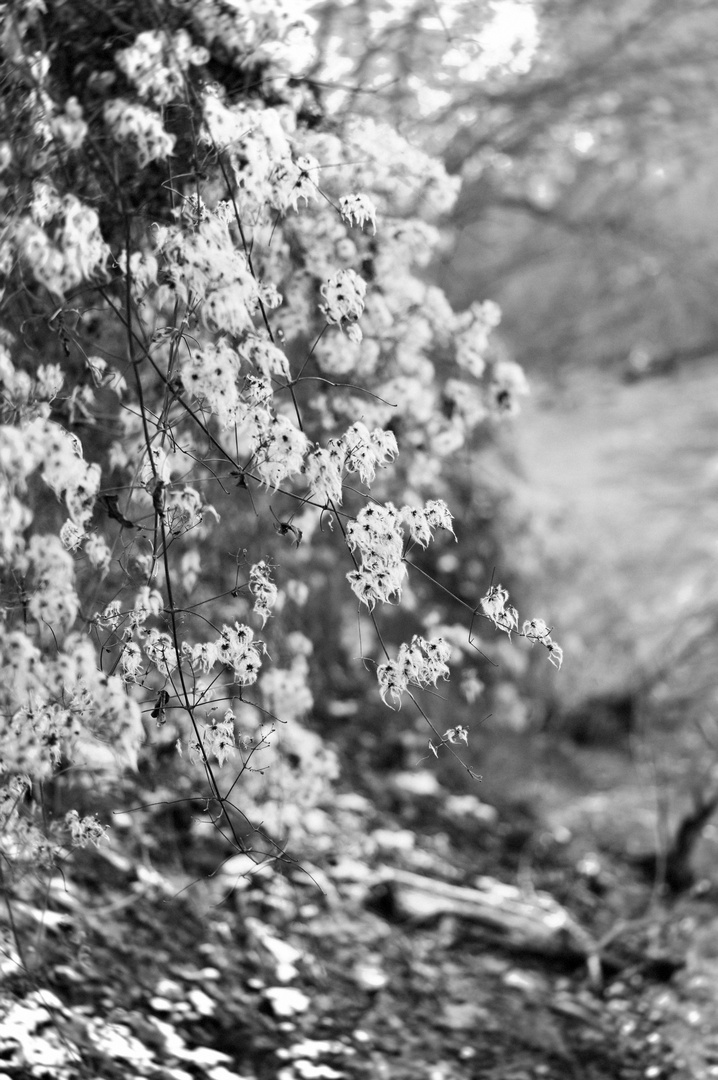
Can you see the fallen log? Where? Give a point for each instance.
(533, 921)
(521, 920)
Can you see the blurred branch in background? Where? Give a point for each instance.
(584, 138)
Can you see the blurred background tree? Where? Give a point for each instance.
(584, 135)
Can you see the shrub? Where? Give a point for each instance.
(217, 342)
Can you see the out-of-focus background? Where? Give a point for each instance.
(584, 138)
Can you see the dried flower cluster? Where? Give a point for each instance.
(223, 298)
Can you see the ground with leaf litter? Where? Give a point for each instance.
(155, 958)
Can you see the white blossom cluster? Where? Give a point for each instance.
(296, 181)
(343, 305)
(217, 740)
(139, 130)
(237, 649)
(85, 830)
(185, 510)
(156, 61)
(537, 630)
(203, 264)
(375, 537)
(420, 663)
(324, 468)
(266, 357)
(358, 209)
(53, 600)
(422, 521)
(28, 395)
(473, 330)
(59, 703)
(256, 32)
(358, 450)
(17, 516)
(495, 607)
(221, 126)
(59, 242)
(368, 450)
(504, 616)
(160, 651)
(22, 449)
(263, 590)
(65, 470)
(280, 448)
(256, 141)
(211, 376)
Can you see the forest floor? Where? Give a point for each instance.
(162, 957)
(154, 958)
